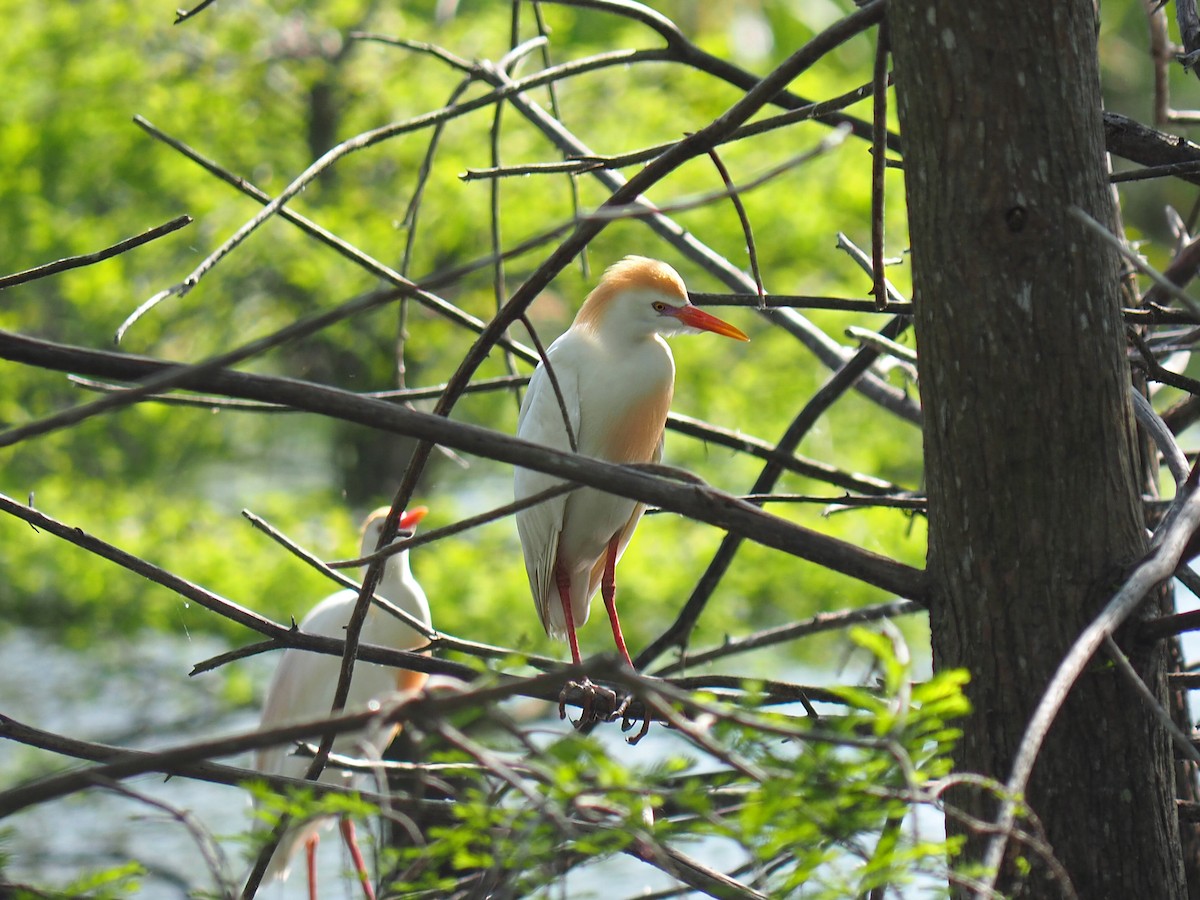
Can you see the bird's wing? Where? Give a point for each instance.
(285, 696)
(302, 688)
(541, 422)
(299, 688)
(626, 531)
(541, 418)
(303, 684)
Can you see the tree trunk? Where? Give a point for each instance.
(1029, 444)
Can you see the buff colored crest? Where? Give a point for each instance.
(631, 273)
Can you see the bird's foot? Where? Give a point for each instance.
(590, 696)
(629, 718)
(602, 704)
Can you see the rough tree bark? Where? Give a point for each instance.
(1029, 444)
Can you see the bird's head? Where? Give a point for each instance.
(639, 297)
(373, 527)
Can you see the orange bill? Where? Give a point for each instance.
(694, 317)
(411, 517)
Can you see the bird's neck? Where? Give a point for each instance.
(617, 337)
(398, 587)
(396, 575)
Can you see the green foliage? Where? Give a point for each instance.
(302, 804)
(167, 483)
(116, 882)
(812, 806)
(299, 805)
(264, 89)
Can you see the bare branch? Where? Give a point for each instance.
(680, 630)
(702, 503)
(75, 262)
(783, 633)
(581, 164)
(799, 301)
(878, 164)
(686, 52)
(1168, 546)
(182, 15)
(1147, 146)
(1181, 740)
(404, 287)
(643, 210)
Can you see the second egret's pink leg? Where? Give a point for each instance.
(563, 580)
(310, 852)
(608, 589)
(360, 865)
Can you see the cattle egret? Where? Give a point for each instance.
(616, 375)
(303, 685)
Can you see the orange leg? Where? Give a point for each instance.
(608, 589)
(563, 580)
(360, 865)
(310, 851)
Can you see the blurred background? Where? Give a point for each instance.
(263, 89)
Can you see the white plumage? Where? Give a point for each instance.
(617, 377)
(303, 684)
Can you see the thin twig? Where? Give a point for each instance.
(680, 630)
(210, 850)
(692, 872)
(864, 262)
(799, 301)
(696, 501)
(437, 534)
(1178, 738)
(878, 163)
(1160, 56)
(554, 383)
(87, 259)
(835, 504)
(578, 164)
(552, 92)
(1150, 420)
(801, 465)
(1165, 626)
(403, 286)
(744, 218)
(199, 770)
(182, 15)
(640, 210)
(1140, 264)
(507, 63)
(793, 631)
(498, 768)
(1149, 172)
(131, 763)
(411, 214)
(1170, 540)
(210, 401)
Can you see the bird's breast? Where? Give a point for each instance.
(636, 436)
(625, 407)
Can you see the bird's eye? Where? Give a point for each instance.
(658, 306)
